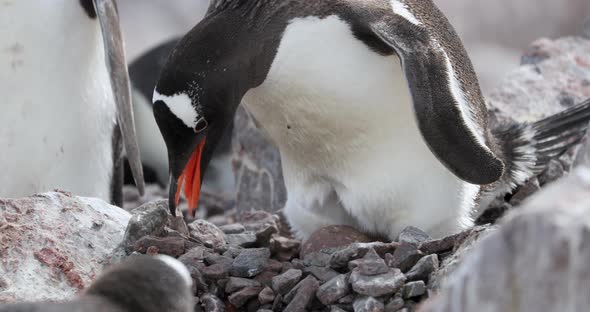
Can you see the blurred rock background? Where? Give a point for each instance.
(494, 32)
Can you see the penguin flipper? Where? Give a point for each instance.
(115, 60)
(442, 112)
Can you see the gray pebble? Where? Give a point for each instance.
(413, 235)
(336, 309)
(368, 304)
(235, 228)
(250, 262)
(264, 310)
(245, 240)
(370, 264)
(395, 304)
(323, 274)
(422, 269)
(341, 258)
(334, 289)
(414, 289)
(237, 283)
(377, 285)
(304, 295)
(148, 219)
(207, 233)
(404, 257)
(217, 271)
(281, 284)
(241, 297)
(266, 296)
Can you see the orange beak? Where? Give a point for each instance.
(191, 176)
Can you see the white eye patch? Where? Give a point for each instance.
(181, 106)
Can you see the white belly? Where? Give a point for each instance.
(57, 109)
(341, 116)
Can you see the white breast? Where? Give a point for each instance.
(57, 106)
(342, 118)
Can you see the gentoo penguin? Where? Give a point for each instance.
(138, 284)
(373, 105)
(144, 72)
(66, 99)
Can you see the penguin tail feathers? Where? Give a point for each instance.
(530, 147)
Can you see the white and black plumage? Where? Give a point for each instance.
(65, 99)
(374, 106)
(138, 284)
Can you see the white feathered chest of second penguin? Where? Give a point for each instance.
(342, 118)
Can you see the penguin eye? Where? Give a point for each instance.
(201, 125)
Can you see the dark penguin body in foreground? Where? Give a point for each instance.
(139, 284)
(144, 72)
(65, 89)
(374, 106)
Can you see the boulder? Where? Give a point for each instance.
(53, 245)
(535, 261)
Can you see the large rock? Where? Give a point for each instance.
(536, 261)
(555, 74)
(53, 245)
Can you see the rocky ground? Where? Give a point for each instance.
(242, 258)
(254, 265)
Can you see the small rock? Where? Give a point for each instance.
(278, 303)
(340, 258)
(284, 248)
(264, 310)
(404, 257)
(265, 277)
(334, 236)
(178, 224)
(414, 289)
(245, 240)
(395, 304)
(232, 252)
(370, 264)
(443, 244)
(146, 220)
(336, 309)
(422, 269)
(266, 296)
(235, 228)
(274, 265)
(194, 255)
(348, 299)
(250, 262)
(368, 304)
(413, 235)
(281, 284)
(237, 283)
(207, 233)
(212, 259)
(319, 259)
(241, 297)
(305, 292)
(172, 246)
(217, 271)
(212, 304)
(323, 274)
(377, 285)
(334, 289)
